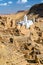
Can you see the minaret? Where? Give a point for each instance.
(25, 18)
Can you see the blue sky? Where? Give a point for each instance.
(12, 6)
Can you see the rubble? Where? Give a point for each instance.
(20, 46)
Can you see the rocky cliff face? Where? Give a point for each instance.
(37, 9)
(21, 46)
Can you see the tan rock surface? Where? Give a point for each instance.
(20, 46)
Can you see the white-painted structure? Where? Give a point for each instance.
(26, 22)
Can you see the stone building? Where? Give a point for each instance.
(27, 23)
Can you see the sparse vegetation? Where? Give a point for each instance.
(11, 40)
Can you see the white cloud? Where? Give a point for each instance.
(3, 4)
(10, 2)
(22, 1)
(28, 6)
(6, 3)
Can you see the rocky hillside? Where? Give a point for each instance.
(37, 9)
(21, 46)
(17, 48)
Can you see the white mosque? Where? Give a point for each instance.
(26, 22)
